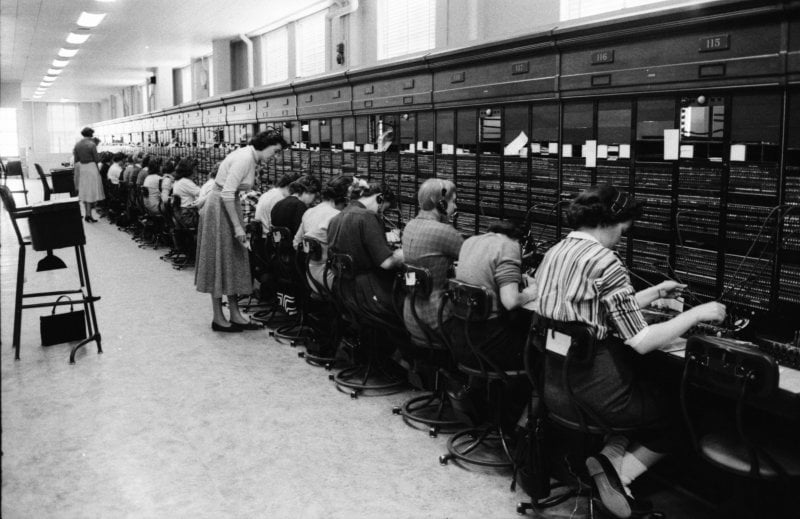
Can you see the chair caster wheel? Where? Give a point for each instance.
(353, 394)
(328, 366)
(396, 410)
(272, 333)
(331, 376)
(433, 432)
(443, 459)
(523, 507)
(301, 354)
(293, 344)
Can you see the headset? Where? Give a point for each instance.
(441, 205)
(619, 204)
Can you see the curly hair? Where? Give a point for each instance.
(603, 206)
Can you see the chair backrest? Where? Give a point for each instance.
(13, 213)
(8, 200)
(45, 185)
(14, 168)
(469, 302)
(343, 268)
(312, 248)
(418, 283)
(735, 370)
(580, 352)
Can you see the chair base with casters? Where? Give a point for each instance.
(370, 378)
(486, 445)
(432, 408)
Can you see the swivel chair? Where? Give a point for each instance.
(479, 444)
(369, 374)
(13, 168)
(184, 237)
(433, 408)
(321, 348)
(290, 289)
(737, 376)
(46, 191)
(555, 375)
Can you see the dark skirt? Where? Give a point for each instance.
(615, 386)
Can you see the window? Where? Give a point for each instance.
(310, 45)
(572, 9)
(63, 126)
(405, 27)
(9, 146)
(186, 84)
(275, 56)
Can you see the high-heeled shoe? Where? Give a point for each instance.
(89, 219)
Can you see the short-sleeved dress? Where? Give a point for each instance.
(87, 176)
(359, 233)
(433, 245)
(222, 263)
(582, 281)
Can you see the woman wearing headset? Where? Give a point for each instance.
(431, 242)
(358, 231)
(582, 279)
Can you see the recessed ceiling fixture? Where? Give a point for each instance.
(45, 85)
(90, 19)
(67, 53)
(54, 71)
(76, 38)
(60, 62)
(49, 78)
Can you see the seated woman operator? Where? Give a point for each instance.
(431, 242)
(289, 211)
(493, 260)
(316, 220)
(582, 279)
(358, 231)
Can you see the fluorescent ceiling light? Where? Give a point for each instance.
(45, 85)
(49, 78)
(67, 53)
(76, 38)
(54, 71)
(60, 62)
(90, 19)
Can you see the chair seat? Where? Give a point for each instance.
(725, 450)
(490, 375)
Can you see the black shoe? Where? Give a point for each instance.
(248, 326)
(611, 491)
(228, 329)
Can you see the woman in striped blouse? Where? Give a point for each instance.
(582, 279)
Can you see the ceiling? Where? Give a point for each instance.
(136, 35)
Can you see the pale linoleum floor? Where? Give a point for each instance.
(174, 420)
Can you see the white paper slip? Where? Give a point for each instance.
(558, 342)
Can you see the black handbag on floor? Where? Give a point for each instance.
(67, 327)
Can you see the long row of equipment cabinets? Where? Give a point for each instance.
(696, 111)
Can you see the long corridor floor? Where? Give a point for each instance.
(174, 420)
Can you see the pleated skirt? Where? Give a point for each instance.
(90, 185)
(222, 265)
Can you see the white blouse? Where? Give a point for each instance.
(237, 172)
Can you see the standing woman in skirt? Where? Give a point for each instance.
(222, 264)
(87, 176)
